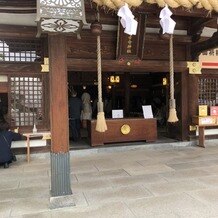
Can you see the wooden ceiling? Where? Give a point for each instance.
(193, 20)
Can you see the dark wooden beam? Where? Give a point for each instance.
(17, 67)
(18, 3)
(208, 44)
(16, 11)
(13, 31)
(89, 65)
(177, 38)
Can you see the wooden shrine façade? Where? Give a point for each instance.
(37, 68)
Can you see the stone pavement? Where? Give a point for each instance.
(141, 181)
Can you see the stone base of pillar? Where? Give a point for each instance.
(60, 174)
(62, 201)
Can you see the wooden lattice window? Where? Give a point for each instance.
(208, 91)
(20, 50)
(27, 100)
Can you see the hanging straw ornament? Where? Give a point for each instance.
(168, 26)
(172, 102)
(101, 125)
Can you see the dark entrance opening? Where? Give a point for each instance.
(127, 91)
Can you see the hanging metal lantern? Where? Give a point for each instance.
(60, 16)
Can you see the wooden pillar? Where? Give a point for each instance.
(127, 93)
(193, 94)
(201, 136)
(184, 99)
(60, 157)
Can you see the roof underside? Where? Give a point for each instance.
(23, 13)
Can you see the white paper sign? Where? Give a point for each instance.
(147, 111)
(117, 113)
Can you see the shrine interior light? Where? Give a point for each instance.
(114, 79)
(60, 16)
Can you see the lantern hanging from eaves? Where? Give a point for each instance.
(60, 16)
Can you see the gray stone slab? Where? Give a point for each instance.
(30, 192)
(73, 178)
(12, 184)
(197, 164)
(174, 204)
(209, 181)
(208, 196)
(62, 201)
(196, 157)
(137, 180)
(115, 210)
(212, 169)
(101, 175)
(35, 215)
(13, 169)
(24, 175)
(80, 200)
(125, 187)
(36, 167)
(151, 169)
(114, 166)
(5, 208)
(117, 194)
(185, 174)
(90, 185)
(83, 169)
(35, 182)
(24, 206)
(174, 187)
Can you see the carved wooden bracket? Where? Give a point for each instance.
(198, 48)
(196, 28)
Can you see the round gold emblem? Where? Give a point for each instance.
(125, 129)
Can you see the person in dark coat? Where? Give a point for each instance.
(75, 105)
(6, 138)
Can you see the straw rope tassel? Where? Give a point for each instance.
(101, 125)
(172, 103)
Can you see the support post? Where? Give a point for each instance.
(193, 94)
(60, 157)
(201, 136)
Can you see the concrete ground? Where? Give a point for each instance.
(139, 181)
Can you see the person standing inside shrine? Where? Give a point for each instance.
(75, 105)
(87, 109)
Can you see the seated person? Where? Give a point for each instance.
(6, 138)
